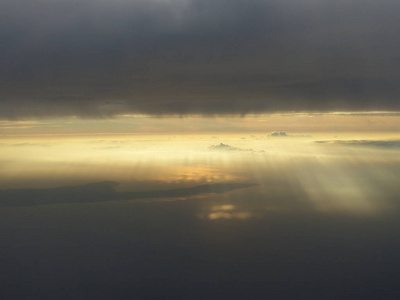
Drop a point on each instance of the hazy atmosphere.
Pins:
(173, 149)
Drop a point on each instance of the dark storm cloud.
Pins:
(100, 58)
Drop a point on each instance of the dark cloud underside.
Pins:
(99, 58)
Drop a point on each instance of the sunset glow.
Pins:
(199, 149)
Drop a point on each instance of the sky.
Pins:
(98, 58)
(199, 149)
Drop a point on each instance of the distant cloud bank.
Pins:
(392, 144)
(103, 191)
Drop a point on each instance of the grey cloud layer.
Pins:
(104, 191)
(99, 58)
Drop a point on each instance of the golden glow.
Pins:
(230, 215)
(288, 169)
(227, 211)
(226, 207)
